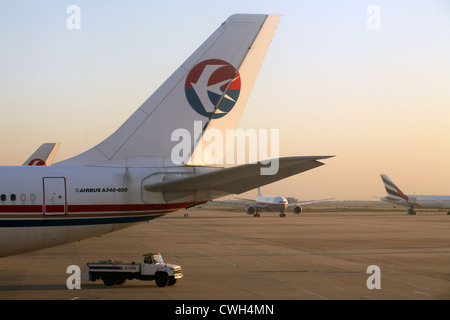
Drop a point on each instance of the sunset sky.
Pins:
(337, 80)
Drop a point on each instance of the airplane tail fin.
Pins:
(208, 91)
(43, 156)
(392, 190)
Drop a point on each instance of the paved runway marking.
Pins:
(340, 288)
(307, 291)
(403, 294)
(247, 290)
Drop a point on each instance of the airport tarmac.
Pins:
(234, 256)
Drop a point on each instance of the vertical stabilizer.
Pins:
(392, 190)
(233, 100)
(209, 90)
(43, 156)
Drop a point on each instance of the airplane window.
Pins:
(3, 197)
(32, 197)
(13, 197)
(23, 197)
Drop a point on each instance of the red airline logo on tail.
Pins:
(37, 162)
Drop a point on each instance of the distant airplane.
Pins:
(43, 156)
(132, 176)
(396, 196)
(270, 203)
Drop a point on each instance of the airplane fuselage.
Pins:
(42, 207)
(276, 203)
(423, 201)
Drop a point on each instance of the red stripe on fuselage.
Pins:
(99, 207)
(128, 207)
(21, 209)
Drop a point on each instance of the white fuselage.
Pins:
(424, 201)
(42, 207)
(430, 202)
(276, 203)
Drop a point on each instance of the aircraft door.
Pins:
(55, 196)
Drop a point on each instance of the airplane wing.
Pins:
(236, 179)
(232, 203)
(302, 203)
(241, 204)
(245, 199)
(43, 156)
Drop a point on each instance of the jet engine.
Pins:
(251, 210)
(297, 209)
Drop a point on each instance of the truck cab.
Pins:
(151, 263)
(164, 273)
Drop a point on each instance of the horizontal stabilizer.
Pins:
(237, 179)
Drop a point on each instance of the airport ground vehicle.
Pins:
(113, 272)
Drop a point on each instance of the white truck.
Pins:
(114, 272)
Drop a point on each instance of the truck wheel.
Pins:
(120, 281)
(109, 280)
(161, 279)
(172, 282)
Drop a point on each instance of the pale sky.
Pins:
(378, 99)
